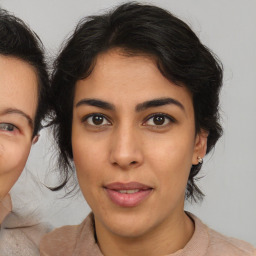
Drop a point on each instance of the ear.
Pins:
(200, 146)
(35, 139)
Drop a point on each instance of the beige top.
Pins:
(80, 241)
(5, 207)
(17, 238)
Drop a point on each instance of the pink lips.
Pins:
(127, 194)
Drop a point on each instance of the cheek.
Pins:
(1, 150)
(13, 157)
(171, 161)
(87, 159)
(89, 166)
(12, 161)
(171, 150)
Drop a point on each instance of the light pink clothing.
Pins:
(17, 238)
(80, 241)
(5, 207)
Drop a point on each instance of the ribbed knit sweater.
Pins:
(80, 241)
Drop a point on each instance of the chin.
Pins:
(129, 230)
(127, 224)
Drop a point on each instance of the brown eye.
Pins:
(159, 120)
(97, 120)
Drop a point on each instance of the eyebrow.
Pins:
(140, 107)
(96, 103)
(158, 103)
(19, 112)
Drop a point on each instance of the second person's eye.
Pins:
(7, 127)
(97, 120)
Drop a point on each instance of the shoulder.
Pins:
(19, 234)
(219, 243)
(211, 243)
(62, 241)
(71, 240)
(22, 240)
(5, 207)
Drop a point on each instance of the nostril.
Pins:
(133, 162)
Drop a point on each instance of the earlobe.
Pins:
(35, 139)
(200, 147)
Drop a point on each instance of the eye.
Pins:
(159, 120)
(7, 127)
(97, 120)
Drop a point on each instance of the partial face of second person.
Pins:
(18, 103)
(134, 141)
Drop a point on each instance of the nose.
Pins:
(126, 148)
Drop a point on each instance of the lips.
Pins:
(127, 194)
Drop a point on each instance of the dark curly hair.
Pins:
(138, 29)
(19, 41)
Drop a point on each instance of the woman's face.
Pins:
(18, 103)
(133, 140)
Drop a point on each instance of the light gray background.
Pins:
(229, 29)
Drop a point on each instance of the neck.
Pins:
(166, 238)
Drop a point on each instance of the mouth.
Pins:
(128, 194)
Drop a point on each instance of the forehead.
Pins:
(18, 85)
(119, 78)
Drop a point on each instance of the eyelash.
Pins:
(106, 121)
(5, 127)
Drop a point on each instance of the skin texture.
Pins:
(18, 102)
(128, 146)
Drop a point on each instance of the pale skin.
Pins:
(120, 134)
(18, 103)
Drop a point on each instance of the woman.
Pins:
(23, 104)
(136, 100)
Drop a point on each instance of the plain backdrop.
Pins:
(229, 173)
